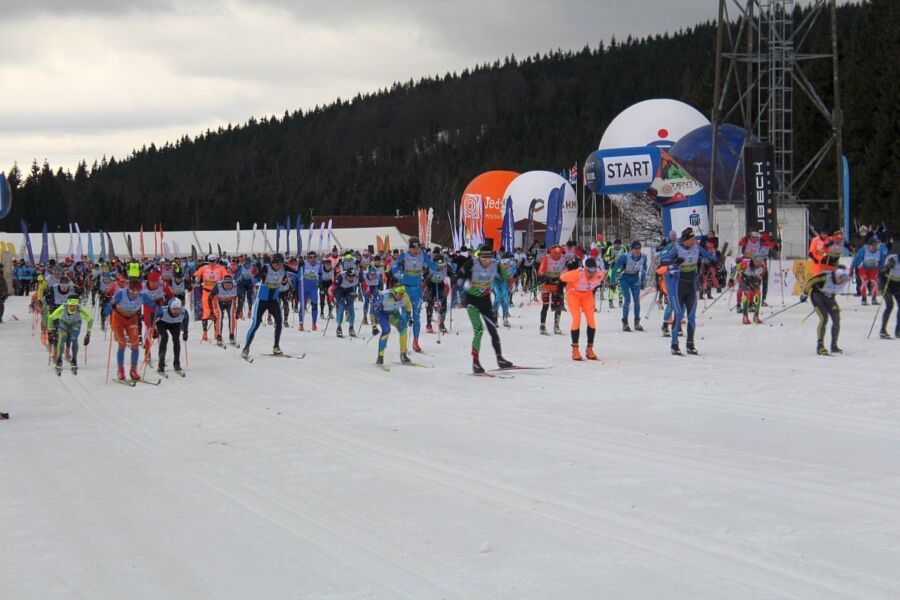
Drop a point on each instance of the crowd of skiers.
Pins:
(140, 301)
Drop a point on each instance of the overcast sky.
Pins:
(87, 78)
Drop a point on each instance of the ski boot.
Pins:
(134, 374)
(884, 335)
(352, 332)
(738, 307)
(665, 330)
(374, 330)
(835, 349)
(240, 315)
(506, 322)
(611, 305)
(161, 369)
(300, 327)
(429, 329)
(231, 340)
(576, 353)
(379, 361)
(340, 332)
(503, 363)
(625, 326)
(756, 318)
(277, 351)
(58, 366)
(874, 301)
(177, 368)
(441, 328)
(589, 353)
(764, 303)
(476, 364)
(676, 351)
(691, 349)
(219, 341)
(74, 367)
(746, 319)
(404, 359)
(245, 353)
(314, 328)
(637, 325)
(121, 373)
(820, 350)
(416, 346)
(865, 301)
(205, 337)
(556, 329)
(544, 329)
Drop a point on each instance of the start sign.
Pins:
(621, 170)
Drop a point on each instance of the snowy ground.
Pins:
(757, 470)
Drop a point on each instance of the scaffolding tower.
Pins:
(759, 64)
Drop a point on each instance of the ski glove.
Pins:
(803, 297)
(87, 338)
(184, 336)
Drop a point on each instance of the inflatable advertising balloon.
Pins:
(482, 204)
(660, 122)
(538, 185)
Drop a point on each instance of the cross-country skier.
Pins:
(749, 275)
(684, 260)
(374, 286)
(611, 257)
(223, 301)
(890, 285)
(630, 271)
(476, 278)
(244, 275)
(867, 262)
(581, 284)
(208, 275)
(502, 289)
(552, 266)
(171, 320)
(392, 308)
(125, 307)
(64, 325)
(822, 289)
(269, 278)
(343, 293)
(308, 288)
(408, 270)
(436, 294)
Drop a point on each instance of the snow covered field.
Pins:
(756, 470)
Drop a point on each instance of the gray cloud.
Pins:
(103, 76)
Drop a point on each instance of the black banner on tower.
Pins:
(759, 186)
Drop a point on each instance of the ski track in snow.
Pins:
(756, 470)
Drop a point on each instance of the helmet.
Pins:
(73, 302)
(228, 279)
(278, 257)
(211, 258)
(351, 272)
(399, 290)
(590, 264)
(635, 244)
(153, 277)
(64, 281)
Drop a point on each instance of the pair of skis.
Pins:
(134, 382)
(273, 355)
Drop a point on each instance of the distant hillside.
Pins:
(419, 142)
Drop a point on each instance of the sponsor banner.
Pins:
(622, 170)
(759, 186)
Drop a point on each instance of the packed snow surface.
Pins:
(756, 470)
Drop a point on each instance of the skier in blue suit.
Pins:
(408, 269)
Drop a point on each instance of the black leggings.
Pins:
(891, 296)
(260, 307)
(165, 330)
(826, 308)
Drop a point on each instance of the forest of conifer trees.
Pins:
(419, 142)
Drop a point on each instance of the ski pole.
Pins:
(108, 359)
(807, 316)
(187, 358)
(327, 321)
(775, 314)
(872, 328)
(717, 299)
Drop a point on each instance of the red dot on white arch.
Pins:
(663, 133)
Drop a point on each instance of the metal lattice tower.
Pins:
(761, 54)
